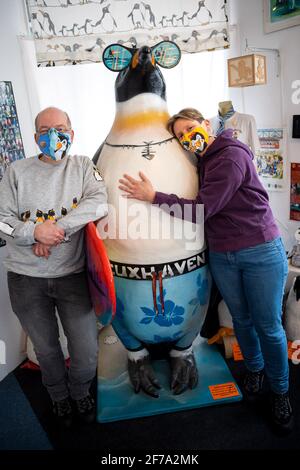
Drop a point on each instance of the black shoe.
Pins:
(62, 410)
(253, 385)
(282, 413)
(86, 410)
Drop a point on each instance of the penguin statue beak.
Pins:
(145, 57)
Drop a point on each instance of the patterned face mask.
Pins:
(195, 141)
(54, 144)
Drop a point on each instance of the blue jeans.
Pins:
(34, 301)
(252, 282)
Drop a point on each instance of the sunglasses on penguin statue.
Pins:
(117, 57)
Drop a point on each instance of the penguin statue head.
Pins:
(137, 67)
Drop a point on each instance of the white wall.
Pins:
(271, 104)
(12, 23)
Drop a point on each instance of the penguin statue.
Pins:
(218, 325)
(292, 312)
(225, 334)
(159, 262)
(295, 252)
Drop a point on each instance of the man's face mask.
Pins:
(195, 141)
(55, 144)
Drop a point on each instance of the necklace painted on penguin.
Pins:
(147, 151)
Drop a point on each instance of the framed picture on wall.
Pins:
(271, 159)
(11, 144)
(281, 14)
(295, 192)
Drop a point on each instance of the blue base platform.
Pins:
(117, 400)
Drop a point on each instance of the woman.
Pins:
(247, 258)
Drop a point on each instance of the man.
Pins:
(45, 202)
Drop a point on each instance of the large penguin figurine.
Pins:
(292, 312)
(158, 261)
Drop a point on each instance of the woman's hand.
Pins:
(142, 190)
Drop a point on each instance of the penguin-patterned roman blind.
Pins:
(77, 31)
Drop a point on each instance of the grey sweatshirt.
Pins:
(71, 192)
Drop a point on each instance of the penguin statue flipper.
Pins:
(97, 154)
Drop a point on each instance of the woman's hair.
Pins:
(186, 113)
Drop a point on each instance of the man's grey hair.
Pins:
(46, 109)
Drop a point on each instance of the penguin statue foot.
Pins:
(142, 376)
(184, 373)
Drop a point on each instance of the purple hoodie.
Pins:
(236, 205)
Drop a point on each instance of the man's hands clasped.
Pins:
(47, 234)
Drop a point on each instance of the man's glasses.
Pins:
(60, 130)
(117, 57)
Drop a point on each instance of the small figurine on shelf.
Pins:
(295, 253)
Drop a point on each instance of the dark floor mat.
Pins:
(19, 426)
(231, 426)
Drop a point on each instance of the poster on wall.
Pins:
(271, 158)
(295, 192)
(11, 144)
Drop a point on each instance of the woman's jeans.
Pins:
(252, 282)
(35, 300)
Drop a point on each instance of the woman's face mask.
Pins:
(55, 144)
(195, 141)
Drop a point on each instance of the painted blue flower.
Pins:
(172, 315)
(202, 294)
